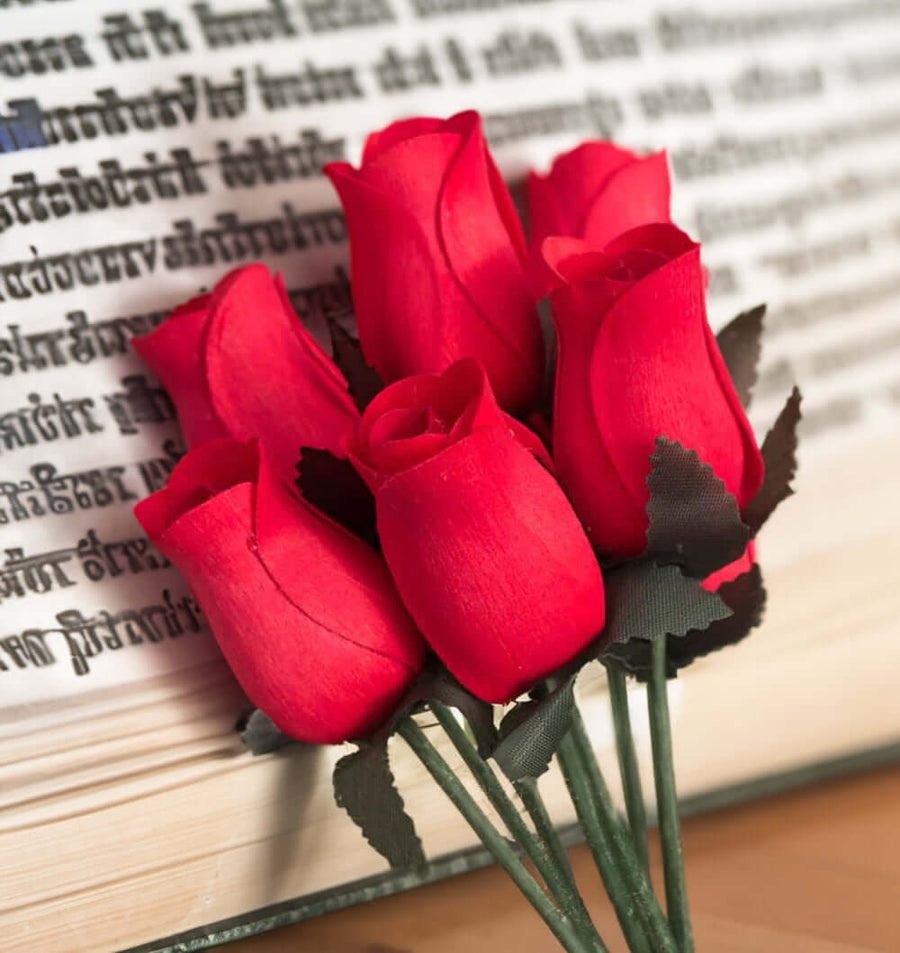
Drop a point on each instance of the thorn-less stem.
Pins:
(630, 917)
(530, 794)
(493, 840)
(562, 887)
(667, 800)
(628, 764)
(636, 878)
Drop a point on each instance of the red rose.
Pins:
(483, 545)
(305, 614)
(438, 257)
(595, 192)
(637, 360)
(239, 363)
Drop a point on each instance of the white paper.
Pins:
(783, 129)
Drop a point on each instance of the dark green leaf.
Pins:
(745, 596)
(779, 452)
(334, 487)
(646, 601)
(363, 381)
(363, 783)
(260, 734)
(740, 342)
(443, 687)
(531, 732)
(364, 787)
(693, 520)
(635, 658)
(548, 389)
(434, 682)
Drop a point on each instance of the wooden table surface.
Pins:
(815, 871)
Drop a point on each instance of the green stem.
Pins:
(562, 888)
(630, 916)
(530, 795)
(635, 876)
(492, 839)
(528, 791)
(628, 764)
(667, 800)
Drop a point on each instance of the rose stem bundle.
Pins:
(549, 863)
(558, 923)
(544, 850)
(667, 800)
(530, 796)
(603, 827)
(631, 919)
(628, 766)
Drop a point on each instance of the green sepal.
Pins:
(693, 521)
(260, 734)
(740, 343)
(779, 453)
(531, 732)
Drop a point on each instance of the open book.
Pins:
(145, 151)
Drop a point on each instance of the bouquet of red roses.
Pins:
(417, 525)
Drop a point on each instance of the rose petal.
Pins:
(416, 418)
(636, 194)
(546, 219)
(379, 142)
(437, 422)
(200, 475)
(268, 378)
(415, 250)
(416, 392)
(489, 266)
(578, 179)
(655, 370)
(492, 563)
(484, 411)
(305, 614)
(311, 350)
(174, 352)
(603, 275)
(595, 192)
(400, 423)
(337, 580)
(380, 227)
(397, 455)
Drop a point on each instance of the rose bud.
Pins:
(637, 359)
(595, 192)
(439, 258)
(305, 614)
(482, 543)
(239, 363)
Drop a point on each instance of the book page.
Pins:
(145, 150)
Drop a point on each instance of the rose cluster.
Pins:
(490, 542)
